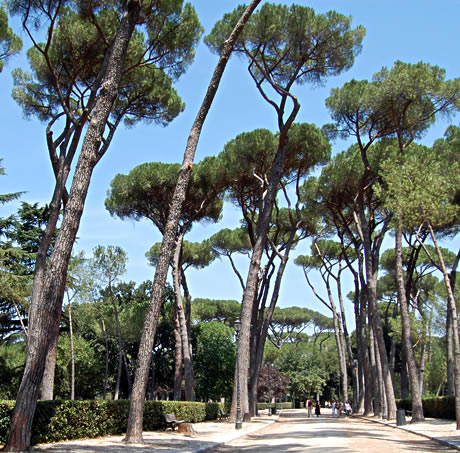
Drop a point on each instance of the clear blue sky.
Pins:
(407, 30)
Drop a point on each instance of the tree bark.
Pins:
(453, 309)
(46, 312)
(450, 354)
(252, 281)
(186, 353)
(50, 368)
(404, 384)
(376, 384)
(177, 395)
(106, 368)
(371, 268)
(136, 410)
(266, 319)
(72, 355)
(122, 361)
(417, 407)
(449, 334)
(364, 363)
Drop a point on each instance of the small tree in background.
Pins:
(214, 361)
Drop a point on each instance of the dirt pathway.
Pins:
(295, 432)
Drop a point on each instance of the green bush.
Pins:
(64, 420)
(6, 409)
(433, 407)
(283, 405)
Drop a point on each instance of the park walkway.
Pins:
(222, 436)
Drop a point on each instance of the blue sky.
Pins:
(407, 30)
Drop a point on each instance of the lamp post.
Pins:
(238, 423)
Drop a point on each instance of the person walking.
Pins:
(333, 408)
(309, 407)
(338, 408)
(317, 409)
(347, 408)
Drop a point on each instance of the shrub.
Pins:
(433, 407)
(6, 409)
(65, 420)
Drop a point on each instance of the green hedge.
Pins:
(435, 407)
(64, 420)
(284, 405)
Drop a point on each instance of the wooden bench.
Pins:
(171, 421)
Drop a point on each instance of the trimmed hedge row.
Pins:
(65, 420)
(435, 407)
(284, 405)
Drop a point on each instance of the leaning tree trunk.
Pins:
(449, 333)
(46, 313)
(72, 355)
(452, 305)
(48, 374)
(417, 407)
(136, 409)
(450, 354)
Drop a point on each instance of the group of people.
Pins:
(311, 404)
(338, 407)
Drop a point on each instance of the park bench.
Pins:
(171, 421)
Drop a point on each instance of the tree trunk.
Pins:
(50, 368)
(450, 354)
(450, 333)
(106, 368)
(364, 366)
(177, 395)
(120, 354)
(136, 409)
(72, 355)
(404, 385)
(186, 353)
(417, 407)
(453, 309)
(346, 342)
(422, 368)
(46, 313)
(381, 385)
(371, 268)
(122, 361)
(393, 344)
(266, 320)
(376, 385)
(252, 279)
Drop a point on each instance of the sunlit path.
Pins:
(295, 432)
